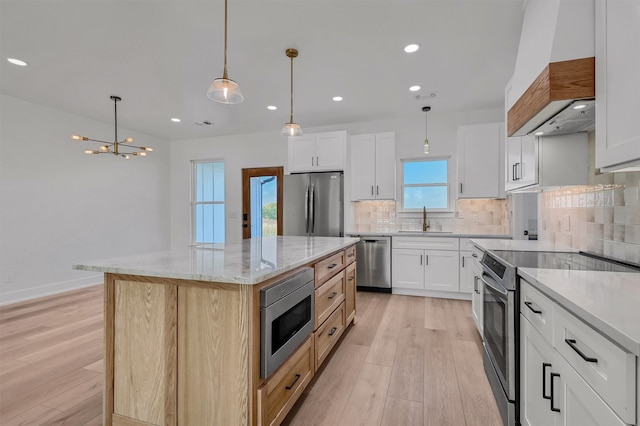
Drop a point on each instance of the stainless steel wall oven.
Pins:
(286, 319)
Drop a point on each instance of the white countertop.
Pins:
(519, 245)
(424, 234)
(608, 301)
(248, 262)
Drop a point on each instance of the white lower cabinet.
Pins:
(552, 389)
(425, 266)
(477, 296)
(466, 272)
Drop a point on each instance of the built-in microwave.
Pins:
(286, 318)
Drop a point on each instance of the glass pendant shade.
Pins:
(225, 91)
(426, 146)
(291, 129)
(426, 109)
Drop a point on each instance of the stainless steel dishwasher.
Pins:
(373, 254)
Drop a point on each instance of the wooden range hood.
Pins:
(556, 86)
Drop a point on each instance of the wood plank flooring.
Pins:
(407, 361)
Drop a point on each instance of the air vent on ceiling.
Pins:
(425, 96)
(204, 123)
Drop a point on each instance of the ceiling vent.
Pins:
(204, 123)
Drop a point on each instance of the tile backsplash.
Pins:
(603, 218)
(478, 216)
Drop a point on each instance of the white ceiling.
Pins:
(161, 56)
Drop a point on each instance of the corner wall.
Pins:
(59, 206)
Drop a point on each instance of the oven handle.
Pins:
(495, 286)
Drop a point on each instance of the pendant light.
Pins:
(121, 149)
(426, 139)
(224, 90)
(291, 128)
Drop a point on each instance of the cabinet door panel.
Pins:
(466, 272)
(479, 160)
(330, 151)
(302, 153)
(514, 156)
(408, 269)
(385, 166)
(363, 174)
(441, 270)
(528, 169)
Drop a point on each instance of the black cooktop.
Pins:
(555, 260)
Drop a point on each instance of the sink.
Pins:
(425, 232)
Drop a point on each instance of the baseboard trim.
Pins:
(22, 295)
(431, 293)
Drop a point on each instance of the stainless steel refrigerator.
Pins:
(313, 204)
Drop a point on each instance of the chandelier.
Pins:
(123, 148)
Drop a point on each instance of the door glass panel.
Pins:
(264, 206)
(495, 331)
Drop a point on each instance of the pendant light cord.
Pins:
(224, 74)
(115, 113)
(291, 117)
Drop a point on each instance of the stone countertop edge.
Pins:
(583, 294)
(427, 234)
(233, 271)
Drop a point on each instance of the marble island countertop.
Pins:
(247, 262)
(608, 301)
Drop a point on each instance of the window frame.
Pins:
(193, 203)
(446, 184)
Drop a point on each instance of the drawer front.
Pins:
(465, 244)
(538, 309)
(350, 255)
(327, 298)
(328, 334)
(350, 292)
(609, 370)
(327, 267)
(426, 243)
(281, 391)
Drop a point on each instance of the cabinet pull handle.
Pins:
(294, 383)
(311, 161)
(426, 259)
(333, 265)
(333, 331)
(461, 188)
(371, 189)
(317, 161)
(420, 259)
(572, 343)
(553, 375)
(535, 311)
(377, 190)
(334, 294)
(513, 172)
(544, 379)
(474, 255)
(475, 284)
(463, 261)
(351, 254)
(350, 279)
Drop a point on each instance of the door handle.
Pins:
(294, 383)
(377, 190)
(334, 294)
(333, 331)
(553, 376)
(371, 189)
(535, 311)
(312, 207)
(461, 188)
(463, 261)
(306, 208)
(572, 343)
(426, 259)
(420, 259)
(544, 379)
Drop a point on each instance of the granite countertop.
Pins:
(520, 245)
(424, 234)
(608, 301)
(250, 261)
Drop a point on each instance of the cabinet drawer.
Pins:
(280, 392)
(327, 298)
(327, 267)
(350, 255)
(538, 309)
(609, 370)
(465, 244)
(426, 243)
(328, 334)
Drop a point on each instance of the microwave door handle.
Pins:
(497, 288)
(306, 209)
(313, 209)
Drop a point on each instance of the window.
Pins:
(207, 205)
(425, 183)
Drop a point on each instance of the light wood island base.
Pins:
(186, 352)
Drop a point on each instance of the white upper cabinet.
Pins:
(373, 166)
(480, 172)
(522, 162)
(617, 86)
(317, 152)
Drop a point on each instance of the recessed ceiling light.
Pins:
(538, 133)
(272, 107)
(579, 106)
(410, 48)
(337, 98)
(176, 120)
(414, 88)
(18, 62)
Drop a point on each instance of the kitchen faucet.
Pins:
(425, 222)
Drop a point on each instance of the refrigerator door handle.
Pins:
(306, 209)
(312, 206)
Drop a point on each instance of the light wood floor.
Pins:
(407, 361)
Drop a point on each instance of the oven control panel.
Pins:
(494, 264)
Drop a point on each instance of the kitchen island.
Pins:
(182, 329)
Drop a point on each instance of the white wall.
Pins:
(59, 206)
(270, 149)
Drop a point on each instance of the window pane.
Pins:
(434, 171)
(432, 197)
(209, 223)
(210, 181)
